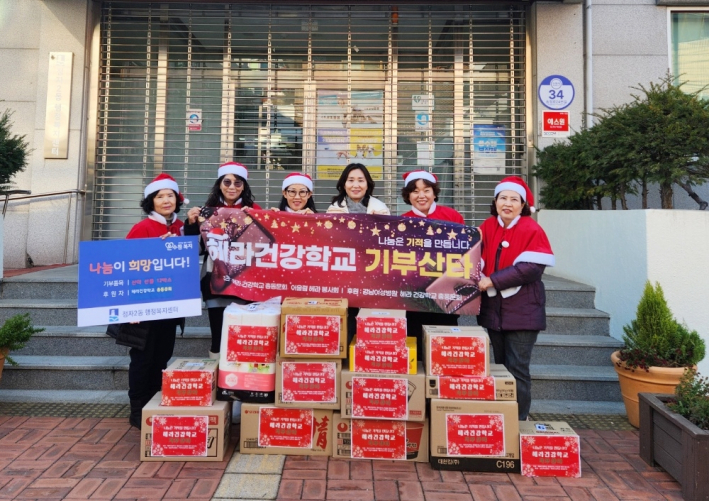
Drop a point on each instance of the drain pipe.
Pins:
(588, 63)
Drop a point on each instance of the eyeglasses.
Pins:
(293, 193)
(237, 184)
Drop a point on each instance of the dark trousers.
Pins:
(216, 319)
(146, 366)
(513, 349)
(415, 320)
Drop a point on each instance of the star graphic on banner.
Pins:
(266, 217)
(375, 231)
(224, 225)
(451, 235)
(319, 223)
(295, 228)
(422, 223)
(342, 219)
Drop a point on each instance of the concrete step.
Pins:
(565, 349)
(62, 312)
(575, 382)
(577, 321)
(562, 293)
(66, 373)
(78, 341)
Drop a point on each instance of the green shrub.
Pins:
(692, 399)
(15, 333)
(656, 339)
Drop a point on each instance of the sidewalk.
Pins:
(80, 457)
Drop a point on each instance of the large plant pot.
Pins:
(632, 382)
(676, 444)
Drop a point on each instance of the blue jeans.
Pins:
(513, 349)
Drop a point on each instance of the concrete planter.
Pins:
(674, 443)
(633, 382)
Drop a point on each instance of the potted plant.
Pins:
(14, 334)
(674, 433)
(658, 350)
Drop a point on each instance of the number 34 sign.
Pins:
(556, 92)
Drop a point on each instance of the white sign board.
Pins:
(424, 153)
(556, 92)
(423, 122)
(422, 102)
(194, 120)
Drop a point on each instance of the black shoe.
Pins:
(136, 413)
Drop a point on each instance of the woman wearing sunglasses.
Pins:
(230, 190)
(297, 194)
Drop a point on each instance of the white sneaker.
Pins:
(214, 356)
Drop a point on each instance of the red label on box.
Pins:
(179, 436)
(252, 344)
(466, 388)
(188, 388)
(458, 356)
(550, 456)
(309, 382)
(380, 398)
(279, 427)
(475, 434)
(381, 357)
(372, 439)
(381, 329)
(312, 335)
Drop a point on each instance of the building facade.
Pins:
(111, 93)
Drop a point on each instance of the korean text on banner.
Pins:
(137, 280)
(374, 261)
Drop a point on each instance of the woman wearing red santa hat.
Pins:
(231, 190)
(421, 191)
(515, 253)
(162, 202)
(297, 194)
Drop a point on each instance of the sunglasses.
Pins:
(237, 183)
(293, 193)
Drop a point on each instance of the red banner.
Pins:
(179, 436)
(389, 262)
(373, 439)
(475, 434)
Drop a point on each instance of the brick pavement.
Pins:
(52, 458)
(611, 468)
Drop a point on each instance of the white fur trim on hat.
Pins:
(509, 185)
(162, 184)
(419, 174)
(233, 168)
(292, 179)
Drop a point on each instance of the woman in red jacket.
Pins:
(231, 190)
(162, 202)
(421, 192)
(515, 253)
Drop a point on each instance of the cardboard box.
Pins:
(504, 386)
(456, 351)
(247, 363)
(254, 439)
(549, 449)
(416, 439)
(313, 328)
(313, 383)
(190, 381)
(470, 435)
(381, 326)
(219, 416)
(380, 358)
(416, 400)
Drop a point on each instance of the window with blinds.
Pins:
(308, 88)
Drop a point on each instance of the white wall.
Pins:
(31, 29)
(617, 251)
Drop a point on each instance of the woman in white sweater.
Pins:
(354, 189)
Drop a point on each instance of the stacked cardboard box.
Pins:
(313, 337)
(383, 412)
(184, 422)
(474, 424)
(247, 359)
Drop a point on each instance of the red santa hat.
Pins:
(164, 182)
(412, 176)
(233, 168)
(517, 185)
(217, 234)
(297, 178)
